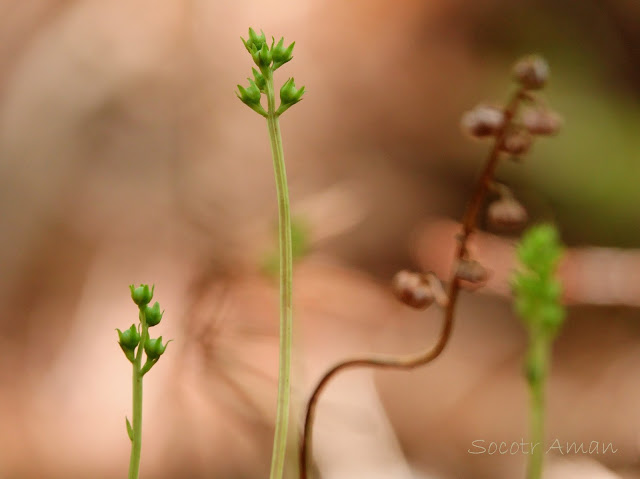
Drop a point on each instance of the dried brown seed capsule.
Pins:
(517, 142)
(541, 122)
(507, 213)
(531, 72)
(483, 121)
(412, 289)
(472, 271)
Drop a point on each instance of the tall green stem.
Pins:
(136, 441)
(539, 354)
(286, 272)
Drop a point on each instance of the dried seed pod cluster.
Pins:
(531, 73)
(513, 130)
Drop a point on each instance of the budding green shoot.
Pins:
(538, 303)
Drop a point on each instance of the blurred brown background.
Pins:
(126, 157)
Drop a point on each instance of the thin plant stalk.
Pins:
(536, 387)
(136, 440)
(286, 273)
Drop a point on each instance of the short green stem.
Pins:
(538, 361)
(286, 271)
(136, 442)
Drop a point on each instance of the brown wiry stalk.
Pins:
(421, 358)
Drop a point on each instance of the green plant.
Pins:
(512, 134)
(537, 302)
(133, 341)
(269, 59)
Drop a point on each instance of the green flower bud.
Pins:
(261, 83)
(255, 42)
(280, 54)
(129, 338)
(251, 97)
(128, 341)
(154, 347)
(152, 314)
(262, 57)
(289, 95)
(141, 295)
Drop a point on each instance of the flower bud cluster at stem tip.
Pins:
(268, 59)
(149, 316)
(134, 342)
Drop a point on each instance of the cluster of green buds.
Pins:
(149, 316)
(537, 291)
(268, 59)
(538, 295)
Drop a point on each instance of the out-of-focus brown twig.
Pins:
(421, 358)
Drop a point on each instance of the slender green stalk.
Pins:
(136, 441)
(269, 59)
(286, 272)
(539, 358)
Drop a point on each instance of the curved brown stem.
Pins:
(421, 358)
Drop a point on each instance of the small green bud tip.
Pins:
(141, 295)
(129, 338)
(154, 347)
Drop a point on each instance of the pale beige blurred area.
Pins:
(125, 157)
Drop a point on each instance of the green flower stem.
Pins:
(286, 272)
(136, 442)
(538, 365)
